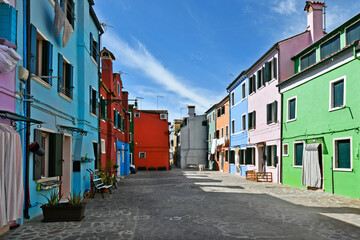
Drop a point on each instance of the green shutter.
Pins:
(33, 45)
(330, 47)
(338, 94)
(274, 66)
(254, 119)
(60, 72)
(299, 153)
(343, 153)
(258, 75)
(353, 33)
(37, 158)
(268, 113)
(263, 76)
(267, 72)
(248, 156)
(274, 155)
(268, 155)
(275, 111)
(115, 118)
(55, 154)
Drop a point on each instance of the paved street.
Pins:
(204, 205)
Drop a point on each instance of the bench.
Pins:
(99, 186)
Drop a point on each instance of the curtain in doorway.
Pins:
(11, 175)
(311, 175)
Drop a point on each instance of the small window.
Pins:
(223, 110)
(68, 7)
(353, 33)
(271, 112)
(65, 71)
(93, 101)
(233, 126)
(232, 98)
(291, 109)
(103, 146)
(142, 154)
(271, 156)
(252, 120)
(137, 115)
(222, 132)
(273, 68)
(337, 94)
(232, 157)
(242, 154)
(227, 131)
(118, 89)
(298, 154)
(217, 134)
(260, 78)
(226, 155)
(103, 107)
(343, 154)
(308, 59)
(204, 123)
(250, 156)
(243, 122)
(252, 84)
(219, 112)
(329, 47)
(243, 91)
(94, 48)
(285, 151)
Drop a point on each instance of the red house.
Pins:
(114, 123)
(151, 139)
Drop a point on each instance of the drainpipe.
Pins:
(99, 114)
(26, 5)
(281, 121)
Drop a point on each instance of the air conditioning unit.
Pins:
(137, 115)
(163, 116)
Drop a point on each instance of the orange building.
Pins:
(222, 134)
(151, 139)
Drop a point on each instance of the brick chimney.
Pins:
(315, 19)
(107, 68)
(191, 111)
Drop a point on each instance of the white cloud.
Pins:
(285, 7)
(141, 59)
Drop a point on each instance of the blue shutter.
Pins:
(8, 22)
(60, 72)
(343, 153)
(90, 98)
(71, 75)
(91, 44)
(33, 43)
(338, 94)
(50, 62)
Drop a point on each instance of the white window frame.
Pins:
(283, 149)
(140, 153)
(136, 115)
(288, 109)
(243, 97)
(103, 146)
(331, 92)
(345, 30)
(351, 154)
(272, 166)
(242, 124)
(233, 98)
(233, 126)
(294, 155)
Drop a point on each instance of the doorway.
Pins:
(222, 161)
(67, 167)
(260, 163)
(118, 163)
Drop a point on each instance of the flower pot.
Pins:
(63, 212)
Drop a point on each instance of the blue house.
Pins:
(62, 57)
(239, 122)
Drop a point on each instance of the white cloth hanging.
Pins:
(59, 18)
(11, 175)
(213, 146)
(311, 175)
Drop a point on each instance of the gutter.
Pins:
(99, 94)
(281, 120)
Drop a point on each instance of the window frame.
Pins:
(253, 114)
(294, 155)
(243, 91)
(283, 149)
(142, 153)
(232, 98)
(242, 152)
(288, 109)
(274, 117)
(67, 72)
(331, 94)
(103, 146)
(118, 89)
(337, 34)
(273, 161)
(243, 123)
(335, 154)
(93, 89)
(233, 126)
(136, 115)
(253, 156)
(345, 31)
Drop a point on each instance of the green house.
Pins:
(321, 114)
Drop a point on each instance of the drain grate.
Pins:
(144, 217)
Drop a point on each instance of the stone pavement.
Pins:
(204, 205)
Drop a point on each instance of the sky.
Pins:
(174, 53)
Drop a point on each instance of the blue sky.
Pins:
(179, 52)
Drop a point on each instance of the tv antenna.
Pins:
(105, 26)
(324, 12)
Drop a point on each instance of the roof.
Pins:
(236, 79)
(312, 2)
(211, 108)
(152, 111)
(177, 121)
(223, 100)
(111, 54)
(326, 37)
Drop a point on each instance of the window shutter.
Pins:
(50, 62)
(268, 155)
(267, 72)
(254, 84)
(339, 94)
(60, 72)
(72, 13)
(102, 106)
(274, 65)
(45, 62)
(248, 156)
(90, 99)
(33, 43)
(55, 154)
(258, 75)
(254, 119)
(91, 45)
(62, 5)
(343, 153)
(115, 118)
(8, 22)
(96, 103)
(275, 111)
(274, 155)
(37, 158)
(71, 81)
(263, 76)
(268, 113)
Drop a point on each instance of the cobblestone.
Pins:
(204, 205)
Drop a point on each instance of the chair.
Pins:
(100, 187)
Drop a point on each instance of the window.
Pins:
(271, 157)
(337, 93)
(243, 122)
(222, 132)
(250, 156)
(103, 107)
(298, 154)
(291, 109)
(223, 110)
(343, 154)
(131, 137)
(243, 91)
(226, 155)
(41, 52)
(118, 89)
(271, 110)
(103, 146)
(137, 115)
(93, 101)
(260, 78)
(232, 98)
(252, 84)
(50, 164)
(217, 134)
(330, 47)
(227, 131)
(120, 122)
(68, 7)
(142, 154)
(233, 126)
(285, 151)
(204, 123)
(65, 81)
(270, 70)
(353, 33)
(242, 154)
(308, 59)
(219, 112)
(252, 120)
(94, 49)
(232, 157)
(130, 116)
(214, 115)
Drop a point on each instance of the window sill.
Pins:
(272, 123)
(41, 82)
(343, 169)
(93, 115)
(297, 166)
(270, 167)
(65, 97)
(46, 179)
(291, 120)
(337, 108)
(285, 155)
(260, 88)
(94, 61)
(272, 80)
(252, 93)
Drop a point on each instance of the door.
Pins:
(222, 161)
(118, 163)
(67, 167)
(260, 159)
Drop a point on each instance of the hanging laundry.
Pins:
(311, 175)
(8, 58)
(59, 19)
(67, 32)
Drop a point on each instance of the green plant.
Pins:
(53, 199)
(115, 166)
(76, 199)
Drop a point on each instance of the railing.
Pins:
(67, 92)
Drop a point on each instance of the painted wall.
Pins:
(123, 158)
(211, 128)
(221, 123)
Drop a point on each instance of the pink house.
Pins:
(264, 100)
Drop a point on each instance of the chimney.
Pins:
(107, 68)
(315, 19)
(191, 111)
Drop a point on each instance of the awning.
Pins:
(13, 117)
(72, 129)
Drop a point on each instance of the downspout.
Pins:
(26, 22)
(99, 114)
(281, 121)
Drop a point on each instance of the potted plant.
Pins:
(54, 211)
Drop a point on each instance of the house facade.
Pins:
(151, 139)
(174, 141)
(193, 144)
(321, 131)
(211, 135)
(238, 115)
(114, 114)
(222, 135)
